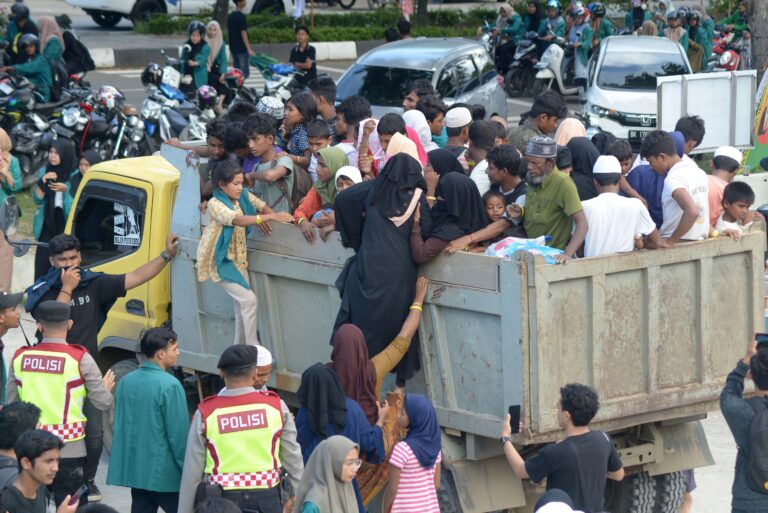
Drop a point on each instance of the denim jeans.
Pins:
(240, 61)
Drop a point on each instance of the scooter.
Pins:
(519, 78)
(555, 71)
(280, 80)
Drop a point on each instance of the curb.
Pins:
(140, 57)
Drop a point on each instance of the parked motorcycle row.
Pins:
(529, 74)
(101, 119)
(171, 110)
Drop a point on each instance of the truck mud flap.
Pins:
(482, 486)
(679, 447)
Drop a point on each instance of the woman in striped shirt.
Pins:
(414, 474)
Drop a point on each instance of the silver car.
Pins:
(460, 70)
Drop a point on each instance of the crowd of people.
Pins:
(400, 191)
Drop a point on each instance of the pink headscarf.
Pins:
(48, 28)
(413, 136)
(568, 129)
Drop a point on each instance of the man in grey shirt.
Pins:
(32, 371)
(15, 419)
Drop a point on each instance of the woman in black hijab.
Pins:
(458, 211)
(377, 284)
(49, 194)
(444, 162)
(87, 159)
(583, 158)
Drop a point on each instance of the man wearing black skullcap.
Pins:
(56, 377)
(238, 441)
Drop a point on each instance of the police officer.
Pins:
(56, 377)
(238, 441)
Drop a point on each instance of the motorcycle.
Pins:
(726, 54)
(518, 79)
(128, 138)
(282, 81)
(555, 70)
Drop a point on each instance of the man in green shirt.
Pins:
(151, 422)
(36, 68)
(552, 205)
(737, 22)
(19, 23)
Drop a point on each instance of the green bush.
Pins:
(352, 26)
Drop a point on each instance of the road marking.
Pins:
(521, 103)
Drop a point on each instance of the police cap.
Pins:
(52, 311)
(238, 357)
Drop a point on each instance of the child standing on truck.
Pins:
(222, 253)
(736, 218)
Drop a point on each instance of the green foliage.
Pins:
(353, 26)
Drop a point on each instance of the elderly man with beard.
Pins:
(552, 206)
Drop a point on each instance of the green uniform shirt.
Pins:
(39, 72)
(151, 425)
(549, 207)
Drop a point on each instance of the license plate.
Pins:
(63, 131)
(638, 135)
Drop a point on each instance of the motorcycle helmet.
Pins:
(553, 4)
(29, 39)
(235, 76)
(109, 97)
(597, 9)
(19, 12)
(694, 15)
(206, 97)
(673, 15)
(152, 74)
(578, 10)
(683, 12)
(196, 26)
(22, 100)
(271, 106)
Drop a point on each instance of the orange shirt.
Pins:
(716, 188)
(308, 206)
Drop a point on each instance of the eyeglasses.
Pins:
(355, 464)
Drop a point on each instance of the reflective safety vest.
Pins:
(48, 376)
(243, 440)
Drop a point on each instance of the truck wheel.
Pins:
(634, 494)
(106, 19)
(447, 495)
(144, 9)
(670, 492)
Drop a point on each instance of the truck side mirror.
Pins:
(9, 216)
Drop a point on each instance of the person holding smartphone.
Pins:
(579, 464)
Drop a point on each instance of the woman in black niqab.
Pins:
(583, 157)
(377, 283)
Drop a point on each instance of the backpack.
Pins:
(302, 183)
(76, 54)
(60, 77)
(757, 455)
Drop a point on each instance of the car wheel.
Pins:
(145, 9)
(106, 19)
(346, 4)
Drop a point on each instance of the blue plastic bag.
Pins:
(505, 248)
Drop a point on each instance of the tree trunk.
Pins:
(220, 12)
(421, 13)
(758, 25)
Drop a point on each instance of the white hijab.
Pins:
(416, 120)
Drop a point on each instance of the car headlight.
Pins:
(70, 116)
(598, 110)
(150, 109)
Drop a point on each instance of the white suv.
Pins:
(108, 13)
(621, 84)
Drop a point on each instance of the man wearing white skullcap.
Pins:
(263, 368)
(615, 222)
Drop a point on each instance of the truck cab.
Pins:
(640, 328)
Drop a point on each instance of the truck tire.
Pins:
(670, 492)
(634, 494)
(447, 494)
(106, 19)
(144, 9)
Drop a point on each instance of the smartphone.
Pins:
(78, 495)
(514, 418)
(762, 340)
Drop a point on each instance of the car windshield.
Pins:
(379, 85)
(635, 70)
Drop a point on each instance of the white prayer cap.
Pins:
(606, 164)
(264, 358)
(730, 152)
